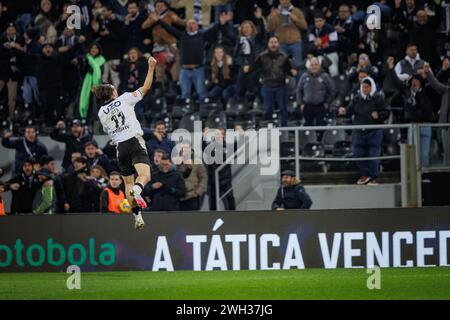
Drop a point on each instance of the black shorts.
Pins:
(129, 153)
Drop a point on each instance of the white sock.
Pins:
(137, 189)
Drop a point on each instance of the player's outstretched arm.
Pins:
(149, 79)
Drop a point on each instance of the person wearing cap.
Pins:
(23, 187)
(44, 201)
(417, 98)
(28, 146)
(74, 140)
(291, 194)
(367, 108)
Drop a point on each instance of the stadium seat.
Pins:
(287, 149)
(342, 149)
(182, 107)
(313, 150)
(217, 120)
(236, 107)
(342, 85)
(208, 106)
(391, 136)
(305, 137)
(187, 121)
(330, 137)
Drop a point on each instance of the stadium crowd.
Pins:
(319, 54)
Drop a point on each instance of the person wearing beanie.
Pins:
(291, 194)
(367, 108)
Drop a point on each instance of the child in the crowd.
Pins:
(112, 199)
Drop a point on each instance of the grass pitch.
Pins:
(408, 283)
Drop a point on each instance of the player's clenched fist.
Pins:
(152, 62)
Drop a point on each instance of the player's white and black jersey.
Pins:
(118, 117)
(119, 121)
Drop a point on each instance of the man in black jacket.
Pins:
(166, 188)
(291, 194)
(28, 146)
(192, 44)
(274, 66)
(24, 187)
(367, 108)
(74, 140)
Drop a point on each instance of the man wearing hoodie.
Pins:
(315, 92)
(166, 188)
(291, 194)
(23, 187)
(367, 108)
(28, 146)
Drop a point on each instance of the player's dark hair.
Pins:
(104, 92)
(411, 44)
(160, 123)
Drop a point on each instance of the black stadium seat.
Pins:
(187, 121)
(307, 136)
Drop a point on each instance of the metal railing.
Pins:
(412, 138)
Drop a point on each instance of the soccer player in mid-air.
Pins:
(119, 121)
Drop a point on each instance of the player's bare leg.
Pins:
(143, 171)
(129, 183)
